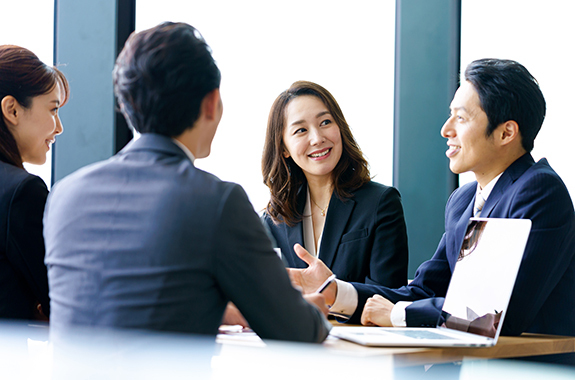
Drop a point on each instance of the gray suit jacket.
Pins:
(146, 240)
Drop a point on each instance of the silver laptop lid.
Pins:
(484, 275)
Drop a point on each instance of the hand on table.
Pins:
(377, 312)
(233, 316)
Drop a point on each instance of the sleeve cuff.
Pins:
(345, 300)
(397, 315)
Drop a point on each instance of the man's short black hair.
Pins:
(161, 77)
(507, 91)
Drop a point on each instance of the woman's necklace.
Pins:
(323, 210)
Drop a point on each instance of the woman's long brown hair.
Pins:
(284, 178)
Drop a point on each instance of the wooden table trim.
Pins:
(506, 347)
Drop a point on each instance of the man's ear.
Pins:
(210, 104)
(10, 109)
(508, 132)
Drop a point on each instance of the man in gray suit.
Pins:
(145, 239)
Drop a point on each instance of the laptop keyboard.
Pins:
(423, 334)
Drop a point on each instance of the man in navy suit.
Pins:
(495, 116)
(145, 239)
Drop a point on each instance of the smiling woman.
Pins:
(273, 44)
(312, 138)
(30, 95)
(35, 127)
(32, 28)
(322, 196)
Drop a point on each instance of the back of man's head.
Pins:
(507, 91)
(161, 77)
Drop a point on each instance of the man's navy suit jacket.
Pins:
(543, 299)
(364, 238)
(146, 240)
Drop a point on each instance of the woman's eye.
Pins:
(300, 130)
(325, 122)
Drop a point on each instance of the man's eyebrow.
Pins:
(462, 108)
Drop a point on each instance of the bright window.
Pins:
(539, 35)
(262, 47)
(30, 24)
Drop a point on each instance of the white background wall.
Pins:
(541, 36)
(262, 47)
(30, 24)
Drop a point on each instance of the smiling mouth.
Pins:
(453, 150)
(320, 154)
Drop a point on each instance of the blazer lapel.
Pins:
(509, 176)
(295, 234)
(496, 194)
(336, 219)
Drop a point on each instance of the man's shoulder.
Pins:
(543, 171)
(540, 178)
(79, 176)
(119, 171)
(209, 184)
(535, 192)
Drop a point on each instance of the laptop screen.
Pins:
(484, 275)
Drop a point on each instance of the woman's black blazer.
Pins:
(364, 237)
(23, 275)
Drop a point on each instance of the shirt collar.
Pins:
(487, 189)
(185, 149)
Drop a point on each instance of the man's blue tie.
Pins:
(479, 203)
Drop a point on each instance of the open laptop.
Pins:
(478, 295)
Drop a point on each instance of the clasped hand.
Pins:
(377, 312)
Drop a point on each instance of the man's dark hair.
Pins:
(507, 91)
(161, 77)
